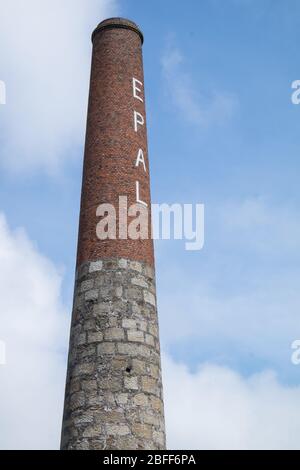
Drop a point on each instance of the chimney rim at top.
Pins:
(118, 22)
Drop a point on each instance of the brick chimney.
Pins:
(113, 397)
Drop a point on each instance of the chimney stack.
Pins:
(113, 397)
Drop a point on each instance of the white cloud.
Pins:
(34, 327)
(241, 301)
(45, 63)
(260, 226)
(197, 108)
(255, 325)
(215, 408)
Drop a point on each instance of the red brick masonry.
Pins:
(112, 144)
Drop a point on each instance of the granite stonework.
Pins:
(114, 388)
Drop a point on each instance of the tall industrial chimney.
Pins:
(113, 397)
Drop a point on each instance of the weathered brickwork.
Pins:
(112, 144)
(114, 389)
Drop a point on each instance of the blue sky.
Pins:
(222, 131)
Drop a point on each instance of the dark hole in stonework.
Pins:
(128, 370)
